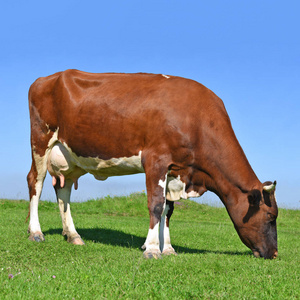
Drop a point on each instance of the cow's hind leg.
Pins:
(35, 179)
(164, 232)
(63, 198)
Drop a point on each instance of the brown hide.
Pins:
(181, 127)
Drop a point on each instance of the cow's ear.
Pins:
(254, 197)
(269, 186)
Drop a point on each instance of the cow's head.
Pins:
(257, 225)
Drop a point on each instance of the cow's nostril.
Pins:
(275, 254)
(256, 253)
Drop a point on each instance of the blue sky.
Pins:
(247, 52)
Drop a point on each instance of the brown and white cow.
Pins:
(174, 130)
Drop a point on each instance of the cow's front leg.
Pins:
(63, 198)
(164, 232)
(156, 191)
(151, 246)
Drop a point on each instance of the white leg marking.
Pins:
(41, 167)
(34, 224)
(164, 235)
(67, 221)
(63, 198)
(152, 241)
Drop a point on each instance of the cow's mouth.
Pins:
(257, 253)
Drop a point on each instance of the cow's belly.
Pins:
(66, 165)
(101, 169)
(63, 162)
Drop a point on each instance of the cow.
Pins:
(175, 130)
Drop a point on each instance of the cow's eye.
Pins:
(271, 217)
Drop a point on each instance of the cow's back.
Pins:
(112, 115)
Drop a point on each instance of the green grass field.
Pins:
(212, 262)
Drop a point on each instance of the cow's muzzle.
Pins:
(258, 253)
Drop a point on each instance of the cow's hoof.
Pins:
(36, 237)
(152, 254)
(76, 240)
(169, 251)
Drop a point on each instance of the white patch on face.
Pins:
(166, 76)
(269, 188)
(275, 198)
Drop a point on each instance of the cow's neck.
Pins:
(227, 171)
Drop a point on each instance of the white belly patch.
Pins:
(63, 162)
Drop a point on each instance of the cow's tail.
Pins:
(28, 215)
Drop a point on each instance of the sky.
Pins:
(247, 52)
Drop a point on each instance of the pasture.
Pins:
(212, 262)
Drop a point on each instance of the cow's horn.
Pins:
(270, 187)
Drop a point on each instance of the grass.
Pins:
(212, 262)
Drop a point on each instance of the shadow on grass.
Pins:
(120, 238)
